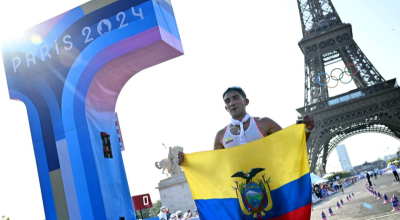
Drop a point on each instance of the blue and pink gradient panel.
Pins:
(69, 72)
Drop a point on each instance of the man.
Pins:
(394, 169)
(163, 213)
(179, 214)
(187, 214)
(245, 129)
(167, 213)
(335, 185)
(317, 191)
(341, 185)
(368, 178)
(173, 216)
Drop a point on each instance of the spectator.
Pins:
(188, 214)
(168, 214)
(196, 213)
(317, 191)
(163, 213)
(179, 214)
(335, 185)
(173, 216)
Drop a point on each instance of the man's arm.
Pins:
(218, 140)
(268, 126)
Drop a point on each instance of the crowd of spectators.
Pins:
(166, 215)
(323, 190)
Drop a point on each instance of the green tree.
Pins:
(156, 207)
(391, 160)
(5, 218)
(147, 212)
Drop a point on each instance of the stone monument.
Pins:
(174, 191)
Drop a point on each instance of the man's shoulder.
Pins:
(222, 131)
(264, 120)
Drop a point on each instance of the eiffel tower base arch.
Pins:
(373, 109)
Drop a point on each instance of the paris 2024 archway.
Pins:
(69, 71)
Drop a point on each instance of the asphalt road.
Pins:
(363, 205)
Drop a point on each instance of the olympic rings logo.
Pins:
(341, 75)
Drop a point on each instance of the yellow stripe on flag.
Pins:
(283, 155)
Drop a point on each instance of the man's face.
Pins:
(235, 103)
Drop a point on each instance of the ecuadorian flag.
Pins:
(265, 179)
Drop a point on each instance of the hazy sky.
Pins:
(252, 44)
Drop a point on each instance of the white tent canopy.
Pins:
(315, 179)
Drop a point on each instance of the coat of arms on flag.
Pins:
(254, 196)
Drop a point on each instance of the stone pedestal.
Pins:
(175, 194)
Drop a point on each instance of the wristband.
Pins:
(308, 131)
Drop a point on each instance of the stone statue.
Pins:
(171, 163)
(174, 168)
(163, 164)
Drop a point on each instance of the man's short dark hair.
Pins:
(237, 89)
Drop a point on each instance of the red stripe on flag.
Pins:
(300, 213)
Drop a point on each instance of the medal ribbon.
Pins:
(242, 139)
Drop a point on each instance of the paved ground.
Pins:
(363, 206)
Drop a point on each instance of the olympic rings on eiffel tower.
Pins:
(334, 78)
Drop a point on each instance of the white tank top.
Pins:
(252, 133)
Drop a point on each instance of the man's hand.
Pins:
(308, 120)
(180, 158)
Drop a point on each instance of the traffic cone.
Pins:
(395, 199)
(394, 205)
(338, 205)
(341, 202)
(374, 185)
(379, 196)
(323, 216)
(374, 193)
(330, 212)
(386, 200)
(352, 194)
(347, 198)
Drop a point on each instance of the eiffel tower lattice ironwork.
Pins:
(373, 107)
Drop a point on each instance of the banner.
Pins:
(265, 179)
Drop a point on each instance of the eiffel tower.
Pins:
(373, 107)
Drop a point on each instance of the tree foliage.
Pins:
(342, 174)
(391, 160)
(156, 207)
(147, 212)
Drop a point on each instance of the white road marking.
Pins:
(382, 186)
(384, 216)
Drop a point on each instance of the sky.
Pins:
(179, 102)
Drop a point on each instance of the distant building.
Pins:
(389, 157)
(379, 164)
(367, 166)
(344, 158)
(358, 169)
